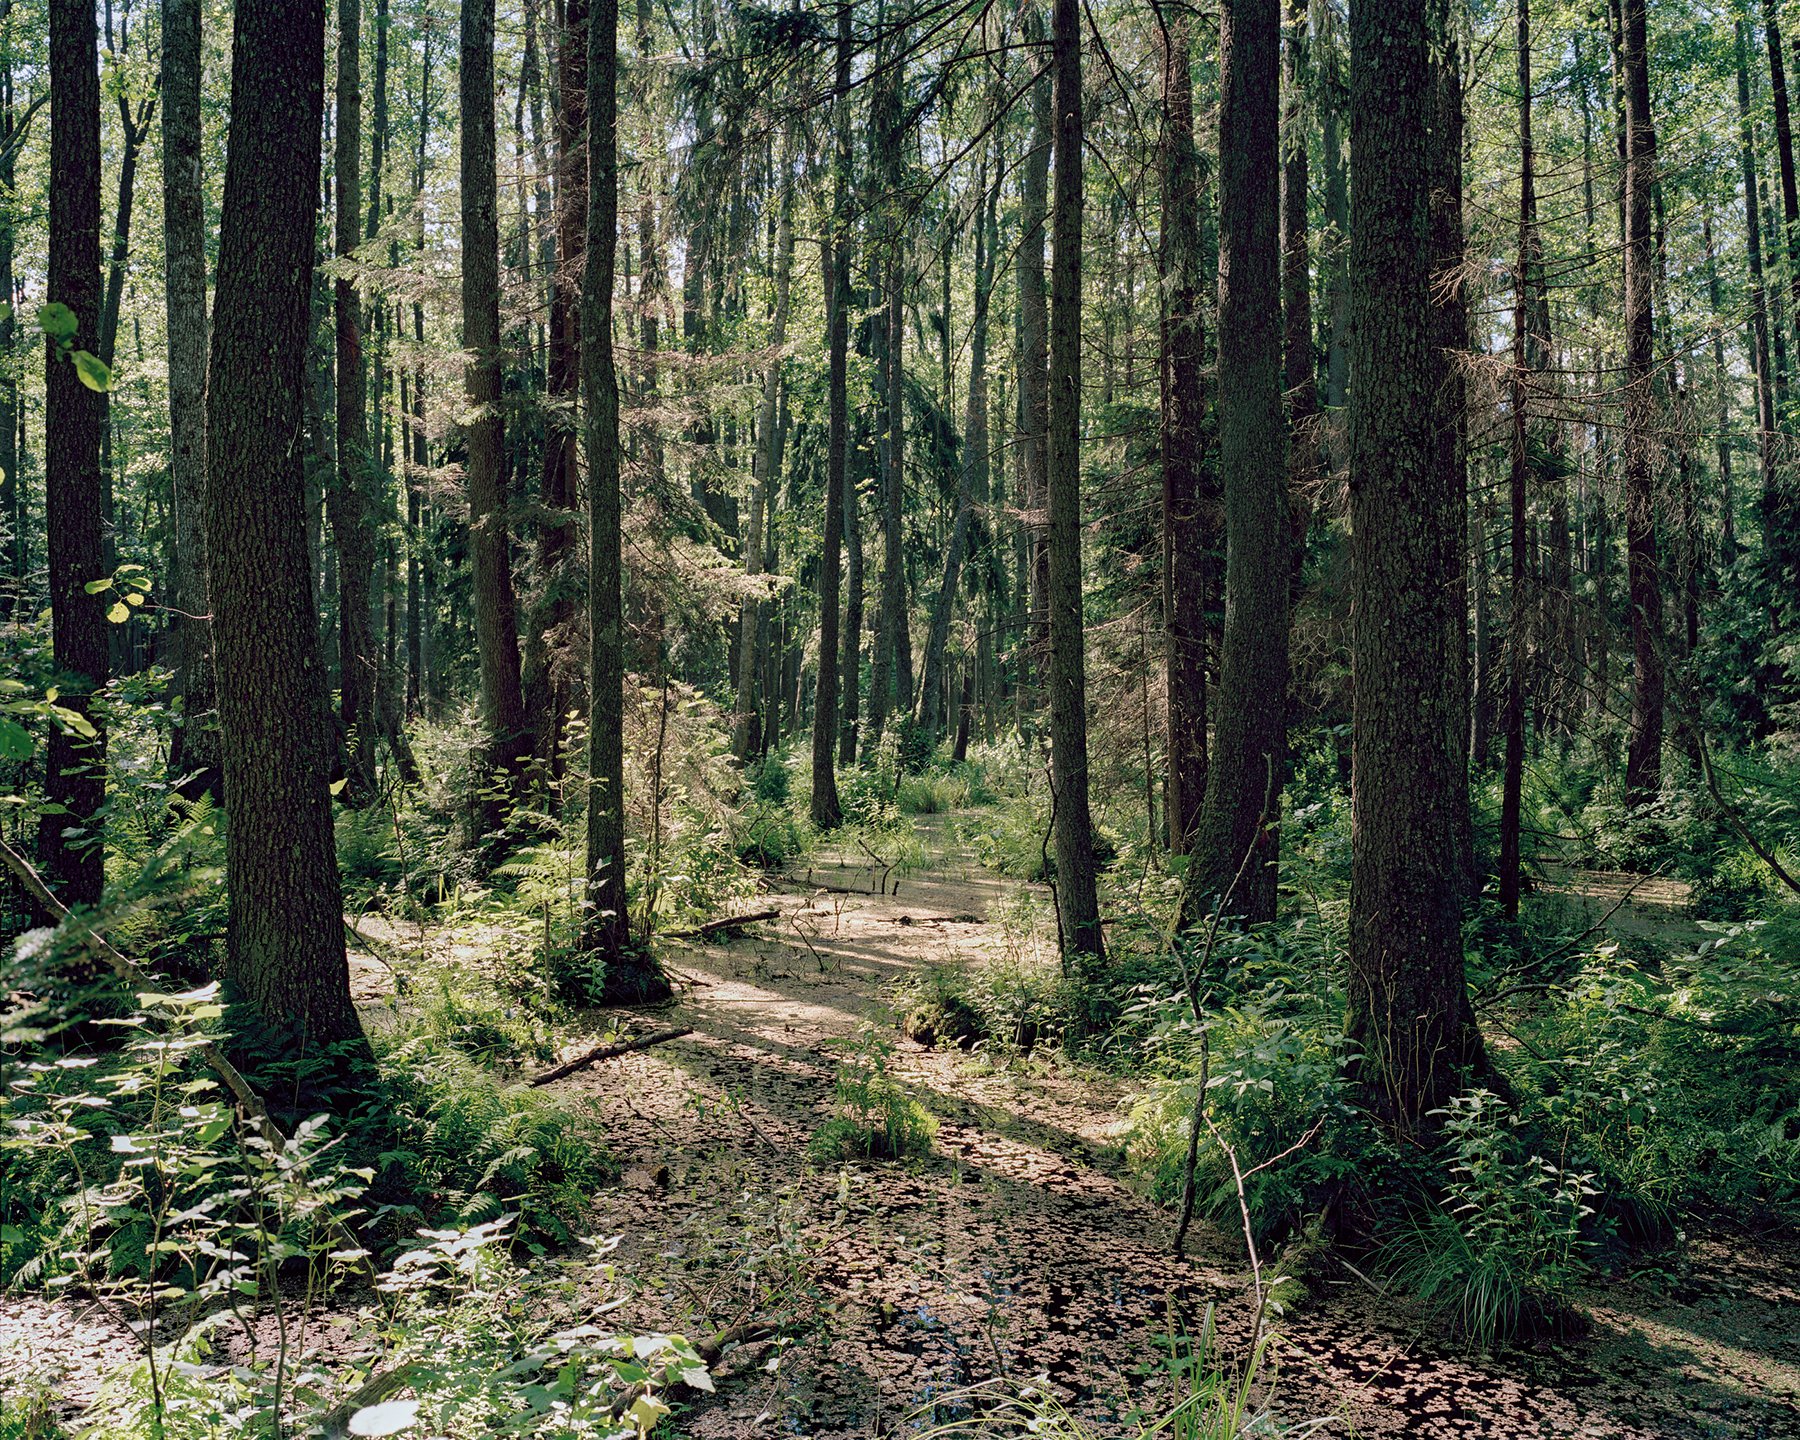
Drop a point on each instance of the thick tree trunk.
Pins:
(826, 811)
(194, 751)
(1780, 512)
(551, 669)
(286, 935)
(1408, 1010)
(1187, 521)
(1643, 765)
(632, 974)
(1237, 844)
(70, 838)
(347, 498)
(1077, 899)
(496, 632)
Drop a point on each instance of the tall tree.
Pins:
(496, 627)
(1780, 513)
(69, 837)
(1186, 527)
(195, 747)
(632, 974)
(348, 498)
(286, 933)
(1237, 843)
(1408, 1010)
(1766, 419)
(1643, 764)
(12, 492)
(1034, 344)
(1077, 899)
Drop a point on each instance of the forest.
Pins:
(856, 718)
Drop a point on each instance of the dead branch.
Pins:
(609, 1052)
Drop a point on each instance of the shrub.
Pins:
(932, 793)
(872, 1117)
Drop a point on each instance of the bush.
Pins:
(932, 793)
(872, 1117)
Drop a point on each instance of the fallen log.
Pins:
(609, 1052)
(728, 922)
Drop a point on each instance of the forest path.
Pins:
(1019, 1247)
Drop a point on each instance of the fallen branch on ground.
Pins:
(608, 1052)
(728, 922)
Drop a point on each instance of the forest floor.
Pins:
(1020, 1247)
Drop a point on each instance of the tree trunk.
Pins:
(1722, 385)
(632, 974)
(1077, 900)
(1187, 522)
(826, 811)
(496, 632)
(1033, 363)
(1643, 765)
(1780, 514)
(1334, 245)
(70, 837)
(12, 491)
(194, 750)
(1766, 419)
(286, 935)
(1237, 844)
(551, 670)
(1408, 1010)
(746, 728)
(347, 498)
(850, 661)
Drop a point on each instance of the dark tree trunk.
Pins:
(826, 811)
(1334, 245)
(632, 974)
(194, 751)
(1236, 847)
(551, 670)
(496, 631)
(1766, 419)
(1643, 765)
(1077, 899)
(1187, 521)
(1780, 514)
(347, 498)
(70, 838)
(1408, 1009)
(1299, 373)
(850, 661)
(1034, 350)
(418, 598)
(286, 936)
(1721, 384)
(12, 492)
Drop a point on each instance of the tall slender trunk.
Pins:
(1408, 1008)
(194, 750)
(12, 492)
(1077, 899)
(1766, 419)
(1237, 845)
(1643, 766)
(285, 941)
(826, 810)
(1034, 342)
(69, 837)
(1780, 512)
(1334, 245)
(745, 727)
(496, 632)
(1722, 385)
(1187, 521)
(1299, 374)
(418, 598)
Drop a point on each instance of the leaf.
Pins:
(646, 1411)
(118, 612)
(15, 740)
(337, 786)
(57, 320)
(92, 371)
(388, 1418)
(94, 587)
(125, 1145)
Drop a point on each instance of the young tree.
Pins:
(1236, 846)
(69, 837)
(1643, 763)
(286, 937)
(632, 974)
(194, 749)
(1077, 900)
(1186, 527)
(1408, 1008)
(496, 631)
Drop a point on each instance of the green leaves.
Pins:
(92, 372)
(57, 321)
(60, 323)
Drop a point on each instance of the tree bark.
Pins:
(826, 811)
(1034, 350)
(194, 750)
(1766, 420)
(286, 932)
(1077, 900)
(12, 492)
(1643, 765)
(496, 632)
(1187, 522)
(1780, 514)
(1408, 1011)
(70, 837)
(1237, 844)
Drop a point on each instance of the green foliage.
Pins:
(1006, 1004)
(1503, 1251)
(872, 1118)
